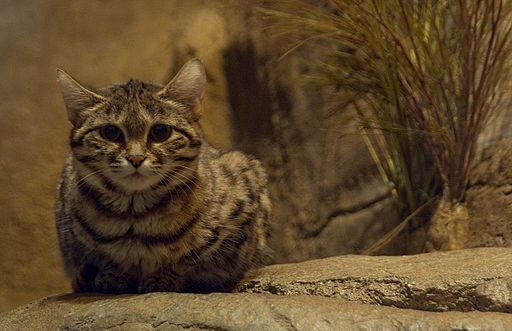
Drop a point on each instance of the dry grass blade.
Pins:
(395, 232)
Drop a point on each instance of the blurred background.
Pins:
(327, 196)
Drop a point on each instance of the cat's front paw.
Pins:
(162, 281)
(84, 278)
(90, 278)
(113, 282)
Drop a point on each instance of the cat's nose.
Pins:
(136, 160)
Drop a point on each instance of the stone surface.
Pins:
(489, 198)
(171, 311)
(464, 280)
(326, 191)
(458, 290)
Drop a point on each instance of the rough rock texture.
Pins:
(489, 198)
(325, 188)
(171, 311)
(341, 293)
(473, 279)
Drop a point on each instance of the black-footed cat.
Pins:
(145, 203)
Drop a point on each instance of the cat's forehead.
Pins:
(136, 101)
(132, 89)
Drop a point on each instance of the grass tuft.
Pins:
(424, 77)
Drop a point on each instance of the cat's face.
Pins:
(137, 135)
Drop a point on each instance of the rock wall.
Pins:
(489, 198)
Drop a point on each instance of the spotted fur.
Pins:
(187, 218)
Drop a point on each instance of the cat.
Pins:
(145, 203)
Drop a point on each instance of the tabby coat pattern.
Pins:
(145, 203)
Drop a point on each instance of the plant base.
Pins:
(448, 227)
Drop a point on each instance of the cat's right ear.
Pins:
(187, 87)
(78, 99)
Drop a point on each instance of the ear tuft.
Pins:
(76, 97)
(187, 87)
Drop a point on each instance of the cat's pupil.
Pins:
(160, 132)
(111, 132)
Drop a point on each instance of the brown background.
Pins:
(326, 194)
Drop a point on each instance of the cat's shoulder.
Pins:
(241, 164)
(235, 163)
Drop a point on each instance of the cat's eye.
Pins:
(160, 132)
(111, 133)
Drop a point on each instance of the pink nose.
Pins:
(136, 160)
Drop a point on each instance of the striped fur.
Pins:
(189, 218)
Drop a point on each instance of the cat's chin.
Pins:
(136, 182)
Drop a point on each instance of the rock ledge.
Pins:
(464, 280)
(467, 289)
(239, 311)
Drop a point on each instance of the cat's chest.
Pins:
(144, 243)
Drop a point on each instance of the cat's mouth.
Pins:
(135, 174)
(133, 180)
(136, 181)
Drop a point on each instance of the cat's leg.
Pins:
(163, 280)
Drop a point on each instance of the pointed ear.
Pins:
(78, 99)
(187, 87)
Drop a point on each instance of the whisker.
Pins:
(83, 179)
(174, 179)
(193, 176)
(181, 181)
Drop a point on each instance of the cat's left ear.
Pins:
(187, 87)
(78, 99)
